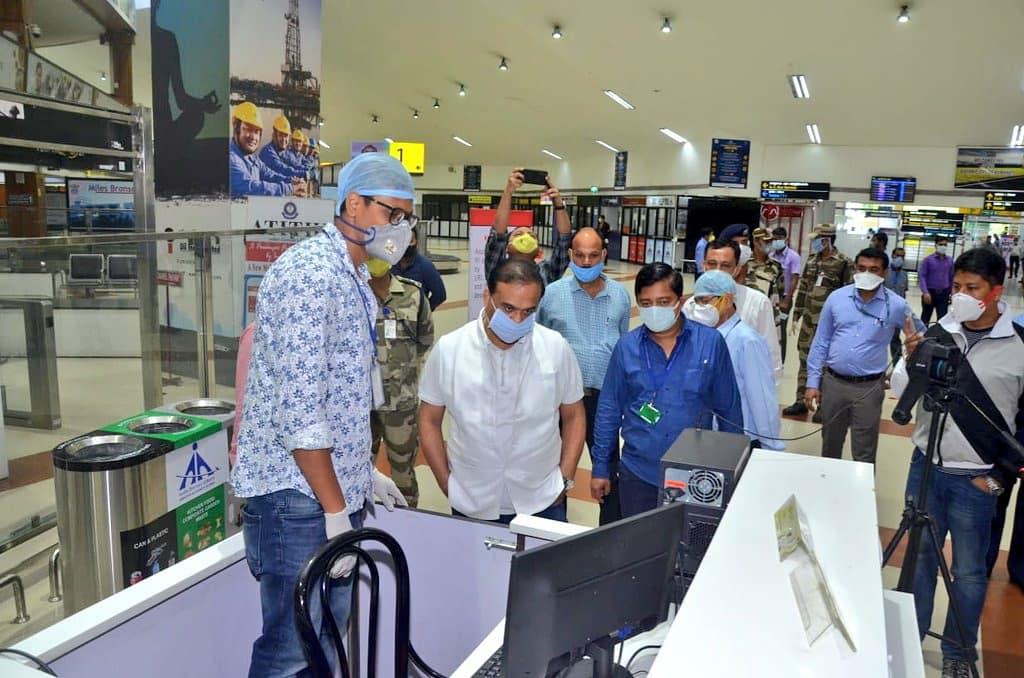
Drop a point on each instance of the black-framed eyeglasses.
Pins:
(397, 215)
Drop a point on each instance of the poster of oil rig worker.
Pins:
(275, 96)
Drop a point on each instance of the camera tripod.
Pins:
(916, 519)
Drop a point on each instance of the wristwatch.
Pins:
(995, 488)
(560, 207)
(568, 484)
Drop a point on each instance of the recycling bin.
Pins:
(110, 504)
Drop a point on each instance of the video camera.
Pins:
(932, 364)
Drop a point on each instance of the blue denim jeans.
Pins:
(559, 512)
(959, 509)
(636, 495)
(282, 530)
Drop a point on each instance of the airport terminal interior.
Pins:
(134, 232)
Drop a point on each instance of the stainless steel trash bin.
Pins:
(111, 494)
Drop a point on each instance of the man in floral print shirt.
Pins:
(304, 443)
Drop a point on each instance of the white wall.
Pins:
(85, 59)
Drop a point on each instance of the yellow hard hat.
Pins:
(297, 135)
(249, 114)
(282, 125)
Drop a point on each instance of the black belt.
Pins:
(592, 392)
(855, 380)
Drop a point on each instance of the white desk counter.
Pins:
(740, 617)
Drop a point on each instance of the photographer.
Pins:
(963, 493)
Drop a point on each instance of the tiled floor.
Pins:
(97, 392)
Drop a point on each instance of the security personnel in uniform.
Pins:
(826, 270)
(405, 332)
(764, 274)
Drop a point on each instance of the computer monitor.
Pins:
(122, 268)
(566, 598)
(85, 268)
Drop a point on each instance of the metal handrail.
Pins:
(44, 242)
(56, 595)
(21, 612)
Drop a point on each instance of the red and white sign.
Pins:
(169, 278)
(260, 254)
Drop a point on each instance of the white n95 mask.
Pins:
(867, 281)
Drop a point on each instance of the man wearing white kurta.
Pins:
(514, 393)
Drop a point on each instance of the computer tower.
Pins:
(701, 470)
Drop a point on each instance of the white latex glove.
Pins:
(338, 524)
(387, 491)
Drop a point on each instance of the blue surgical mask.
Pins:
(897, 262)
(779, 245)
(508, 330)
(817, 246)
(658, 318)
(589, 274)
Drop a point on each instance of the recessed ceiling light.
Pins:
(619, 100)
(798, 85)
(462, 141)
(553, 155)
(812, 133)
(608, 146)
(389, 140)
(904, 16)
(666, 26)
(1017, 136)
(674, 136)
(503, 66)
(415, 113)
(557, 33)
(462, 90)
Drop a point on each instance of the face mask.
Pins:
(941, 249)
(525, 243)
(378, 268)
(705, 314)
(508, 330)
(817, 246)
(897, 262)
(779, 245)
(658, 318)
(586, 275)
(964, 308)
(766, 248)
(867, 281)
(745, 254)
(387, 242)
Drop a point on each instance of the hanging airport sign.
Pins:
(411, 154)
(621, 163)
(659, 201)
(730, 162)
(480, 199)
(776, 189)
(472, 176)
(1004, 201)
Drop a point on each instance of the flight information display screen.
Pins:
(893, 189)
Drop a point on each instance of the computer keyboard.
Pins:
(493, 666)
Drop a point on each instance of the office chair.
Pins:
(317, 570)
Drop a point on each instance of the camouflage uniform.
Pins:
(821, 277)
(405, 332)
(765, 277)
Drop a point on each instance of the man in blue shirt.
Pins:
(897, 281)
(715, 306)
(272, 154)
(706, 236)
(663, 377)
(848, 359)
(415, 266)
(249, 176)
(592, 312)
(304, 442)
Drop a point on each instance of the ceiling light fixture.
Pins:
(320, 123)
(812, 133)
(557, 33)
(619, 100)
(103, 76)
(415, 114)
(462, 141)
(553, 155)
(904, 16)
(437, 104)
(674, 136)
(608, 146)
(1017, 136)
(503, 66)
(389, 140)
(462, 90)
(374, 119)
(798, 85)
(666, 26)
(324, 144)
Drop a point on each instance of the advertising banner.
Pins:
(10, 64)
(190, 98)
(275, 97)
(360, 147)
(730, 160)
(621, 163)
(990, 168)
(46, 80)
(107, 204)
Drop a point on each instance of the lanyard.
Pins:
(371, 320)
(658, 380)
(860, 307)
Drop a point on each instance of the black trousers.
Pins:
(1014, 265)
(610, 509)
(940, 303)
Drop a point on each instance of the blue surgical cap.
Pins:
(372, 174)
(714, 284)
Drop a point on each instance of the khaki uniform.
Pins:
(766, 278)
(821, 277)
(405, 332)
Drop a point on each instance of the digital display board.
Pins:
(893, 189)
(1004, 201)
(933, 222)
(794, 190)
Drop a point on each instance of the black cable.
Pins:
(43, 666)
(634, 655)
